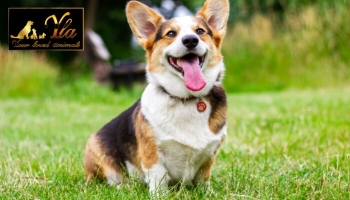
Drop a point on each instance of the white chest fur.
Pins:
(182, 133)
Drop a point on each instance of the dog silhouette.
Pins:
(34, 36)
(25, 31)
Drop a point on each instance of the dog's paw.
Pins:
(206, 188)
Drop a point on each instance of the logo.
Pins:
(46, 29)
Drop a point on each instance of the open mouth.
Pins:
(190, 65)
(176, 64)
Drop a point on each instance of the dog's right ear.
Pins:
(143, 21)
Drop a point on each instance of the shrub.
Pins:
(308, 49)
(24, 73)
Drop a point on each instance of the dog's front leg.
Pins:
(203, 173)
(157, 178)
(156, 174)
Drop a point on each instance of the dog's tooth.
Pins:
(178, 63)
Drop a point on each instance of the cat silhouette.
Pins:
(42, 36)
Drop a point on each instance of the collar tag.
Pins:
(201, 106)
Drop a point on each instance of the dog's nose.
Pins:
(190, 41)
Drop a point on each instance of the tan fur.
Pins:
(219, 30)
(216, 119)
(146, 142)
(218, 115)
(93, 155)
(156, 51)
(24, 32)
(153, 58)
(96, 162)
(146, 35)
(207, 15)
(215, 46)
(137, 20)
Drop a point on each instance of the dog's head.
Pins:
(30, 23)
(183, 53)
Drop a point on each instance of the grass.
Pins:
(281, 145)
(292, 143)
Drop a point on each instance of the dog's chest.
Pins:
(182, 162)
(174, 120)
(182, 133)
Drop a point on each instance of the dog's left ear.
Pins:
(143, 21)
(215, 13)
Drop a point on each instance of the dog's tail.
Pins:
(14, 37)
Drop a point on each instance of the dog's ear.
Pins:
(215, 13)
(143, 21)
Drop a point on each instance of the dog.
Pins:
(42, 36)
(24, 32)
(173, 133)
(34, 36)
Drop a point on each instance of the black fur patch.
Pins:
(207, 28)
(160, 30)
(218, 102)
(118, 138)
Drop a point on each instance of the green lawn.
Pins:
(280, 145)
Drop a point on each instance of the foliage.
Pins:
(309, 50)
(112, 26)
(25, 73)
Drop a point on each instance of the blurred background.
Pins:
(270, 45)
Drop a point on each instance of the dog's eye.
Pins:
(171, 34)
(200, 31)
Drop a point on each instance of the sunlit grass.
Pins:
(281, 145)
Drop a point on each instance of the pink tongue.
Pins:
(194, 79)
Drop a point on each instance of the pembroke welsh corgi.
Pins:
(172, 134)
